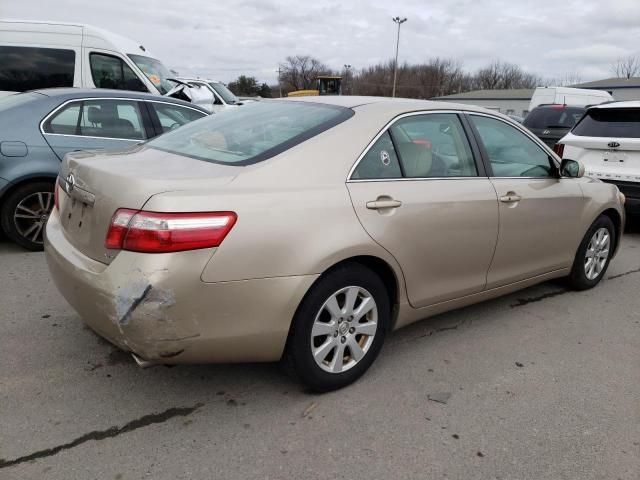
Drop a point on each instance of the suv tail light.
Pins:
(558, 148)
(155, 232)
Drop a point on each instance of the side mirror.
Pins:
(571, 168)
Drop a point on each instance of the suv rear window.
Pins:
(251, 133)
(29, 68)
(610, 122)
(553, 116)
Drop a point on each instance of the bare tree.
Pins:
(299, 72)
(626, 67)
(504, 75)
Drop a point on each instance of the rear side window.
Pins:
(381, 161)
(252, 133)
(119, 119)
(108, 71)
(174, 116)
(28, 68)
(553, 117)
(609, 122)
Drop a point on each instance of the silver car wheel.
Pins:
(344, 329)
(31, 215)
(597, 253)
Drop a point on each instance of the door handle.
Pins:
(510, 197)
(382, 204)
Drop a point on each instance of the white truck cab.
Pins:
(37, 55)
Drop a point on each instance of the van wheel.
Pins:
(339, 328)
(25, 212)
(593, 256)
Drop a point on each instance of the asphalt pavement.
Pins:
(540, 384)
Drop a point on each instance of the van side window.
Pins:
(29, 68)
(108, 71)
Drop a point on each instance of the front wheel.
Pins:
(593, 255)
(339, 328)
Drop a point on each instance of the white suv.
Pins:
(607, 141)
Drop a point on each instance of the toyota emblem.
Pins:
(71, 182)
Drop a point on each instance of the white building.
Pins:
(516, 101)
(510, 102)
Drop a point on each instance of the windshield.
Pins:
(609, 122)
(226, 94)
(155, 71)
(556, 116)
(253, 133)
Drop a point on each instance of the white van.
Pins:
(36, 55)
(574, 97)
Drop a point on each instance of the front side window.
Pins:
(433, 145)
(119, 119)
(380, 161)
(29, 68)
(511, 152)
(174, 116)
(109, 71)
(252, 133)
(610, 122)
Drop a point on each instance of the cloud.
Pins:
(226, 39)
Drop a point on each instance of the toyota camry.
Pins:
(305, 230)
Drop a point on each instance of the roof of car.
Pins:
(398, 105)
(627, 104)
(71, 93)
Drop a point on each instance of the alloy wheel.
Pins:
(344, 329)
(31, 215)
(597, 253)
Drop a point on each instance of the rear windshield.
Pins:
(553, 117)
(251, 133)
(610, 122)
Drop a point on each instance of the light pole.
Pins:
(347, 66)
(399, 21)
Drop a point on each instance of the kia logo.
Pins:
(613, 144)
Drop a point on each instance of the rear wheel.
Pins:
(339, 328)
(592, 259)
(25, 212)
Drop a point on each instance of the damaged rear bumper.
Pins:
(156, 306)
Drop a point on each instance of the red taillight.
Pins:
(56, 194)
(155, 232)
(558, 148)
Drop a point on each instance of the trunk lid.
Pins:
(605, 158)
(94, 185)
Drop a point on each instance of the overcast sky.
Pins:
(223, 39)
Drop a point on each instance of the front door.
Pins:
(539, 211)
(420, 194)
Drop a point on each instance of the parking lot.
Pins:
(543, 384)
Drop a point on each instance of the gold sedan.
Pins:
(304, 230)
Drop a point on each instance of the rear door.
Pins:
(607, 141)
(95, 124)
(419, 192)
(539, 211)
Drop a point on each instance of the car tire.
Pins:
(24, 213)
(593, 255)
(325, 350)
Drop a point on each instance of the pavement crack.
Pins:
(539, 298)
(104, 434)
(624, 274)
